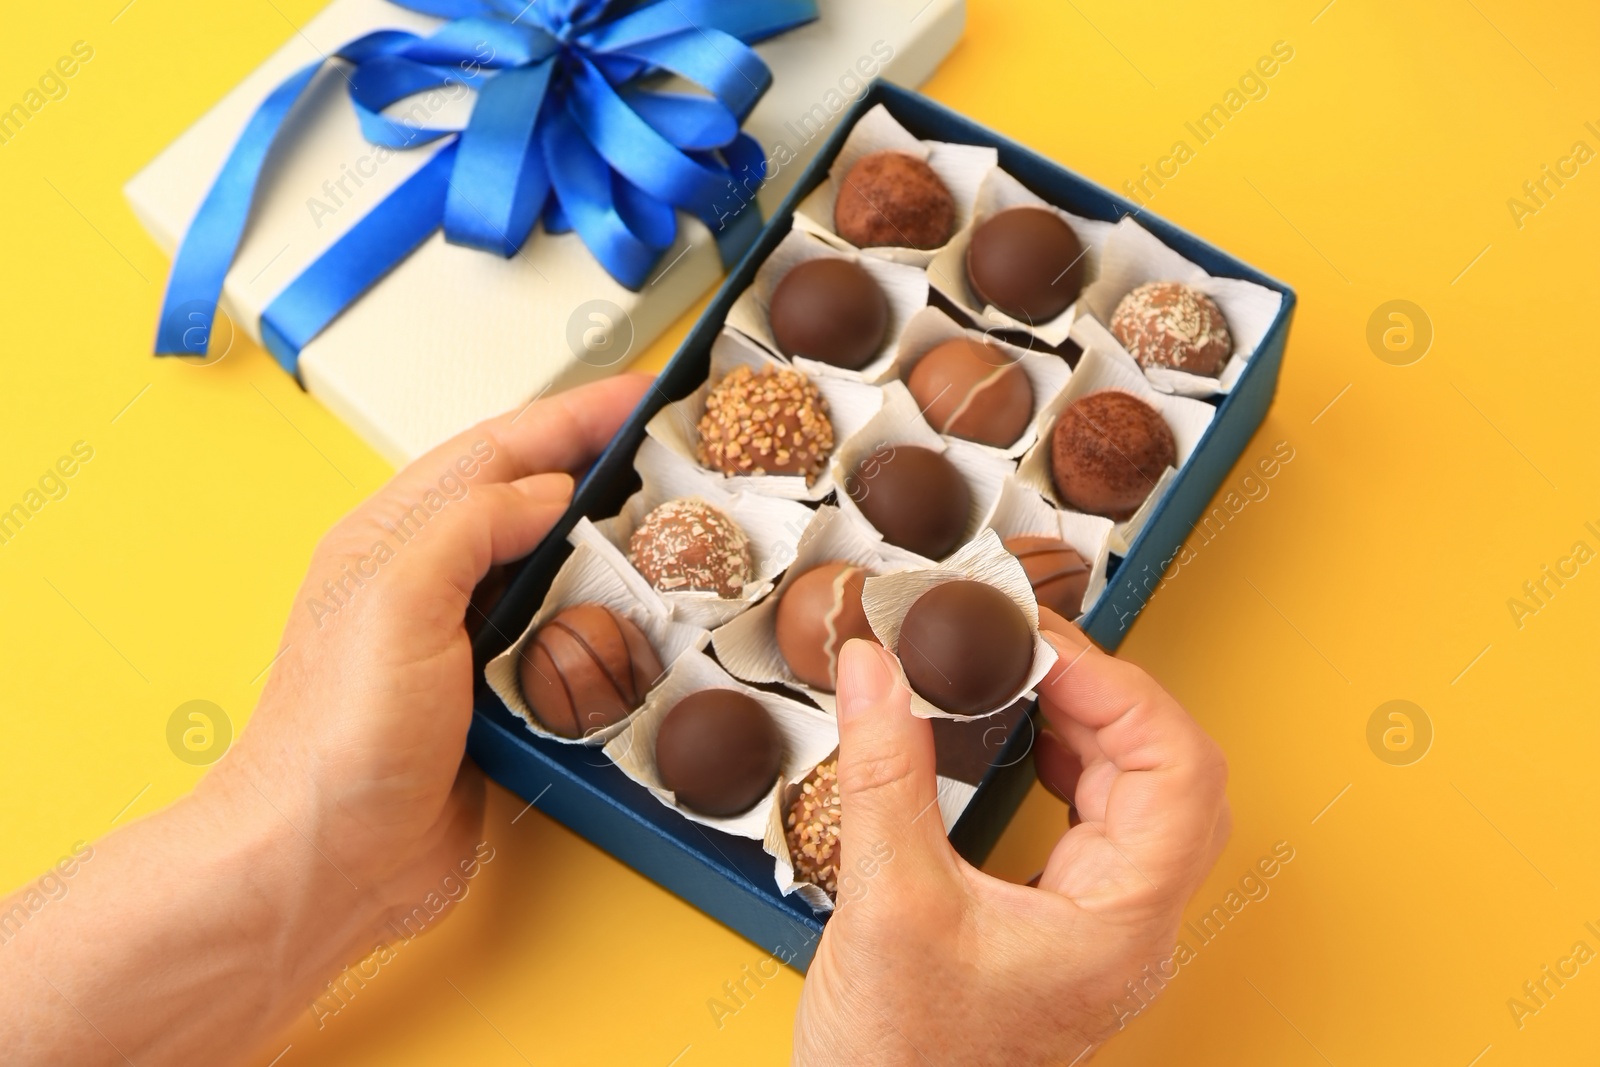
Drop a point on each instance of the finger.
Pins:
(888, 788)
(561, 432)
(492, 524)
(1164, 784)
(1057, 765)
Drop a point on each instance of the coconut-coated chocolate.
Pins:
(914, 497)
(689, 546)
(893, 199)
(585, 669)
(972, 390)
(1027, 262)
(1058, 573)
(817, 614)
(1168, 324)
(1107, 452)
(831, 310)
(719, 752)
(966, 647)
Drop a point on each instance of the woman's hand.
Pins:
(933, 961)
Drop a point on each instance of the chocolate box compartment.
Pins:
(730, 878)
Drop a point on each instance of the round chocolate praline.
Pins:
(817, 614)
(1058, 573)
(1107, 452)
(719, 752)
(689, 546)
(772, 421)
(1027, 262)
(966, 647)
(1168, 324)
(972, 390)
(586, 669)
(893, 199)
(914, 497)
(812, 828)
(831, 310)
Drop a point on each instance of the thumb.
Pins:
(888, 789)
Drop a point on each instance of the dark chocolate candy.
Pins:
(585, 669)
(831, 310)
(914, 497)
(893, 199)
(966, 647)
(1027, 262)
(1107, 452)
(719, 752)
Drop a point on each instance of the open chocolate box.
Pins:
(732, 877)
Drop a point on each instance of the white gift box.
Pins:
(454, 335)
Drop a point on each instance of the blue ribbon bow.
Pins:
(564, 130)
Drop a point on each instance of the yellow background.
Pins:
(1378, 167)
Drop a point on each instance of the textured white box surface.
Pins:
(452, 335)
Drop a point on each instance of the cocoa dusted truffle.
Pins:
(817, 614)
(719, 752)
(831, 310)
(768, 422)
(690, 546)
(972, 390)
(1107, 452)
(914, 497)
(966, 647)
(1058, 573)
(1027, 262)
(812, 828)
(893, 199)
(585, 669)
(1166, 324)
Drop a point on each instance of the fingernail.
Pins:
(867, 676)
(1069, 640)
(555, 488)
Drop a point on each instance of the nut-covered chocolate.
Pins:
(893, 199)
(585, 669)
(688, 546)
(966, 647)
(1058, 573)
(1107, 452)
(817, 614)
(831, 310)
(719, 752)
(1027, 262)
(811, 828)
(914, 497)
(1167, 324)
(768, 422)
(973, 390)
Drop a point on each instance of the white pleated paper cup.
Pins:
(1022, 512)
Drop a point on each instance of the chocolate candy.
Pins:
(586, 669)
(690, 546)
(973, 390)
(893, 199)
(1165, 324)
(812, 828)
(768, 422)
(966, 647)
(1027, 262)
(817, 614)
(719, 752)
(830, 309)
(1060, 576)
(1107, 452)
(914, 497)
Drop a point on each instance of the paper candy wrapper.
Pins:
(588, 577)
(1101, 368)
(1022, 511)
(905, 287)
(1133, 256)
(677, 426)
(1047, 373)
(948, 270)
(748, 645)
(889, 597)
(961, 167)
(774, 527)
(899, 423)
(808, 734)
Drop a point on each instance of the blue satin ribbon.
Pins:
(565, 131)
